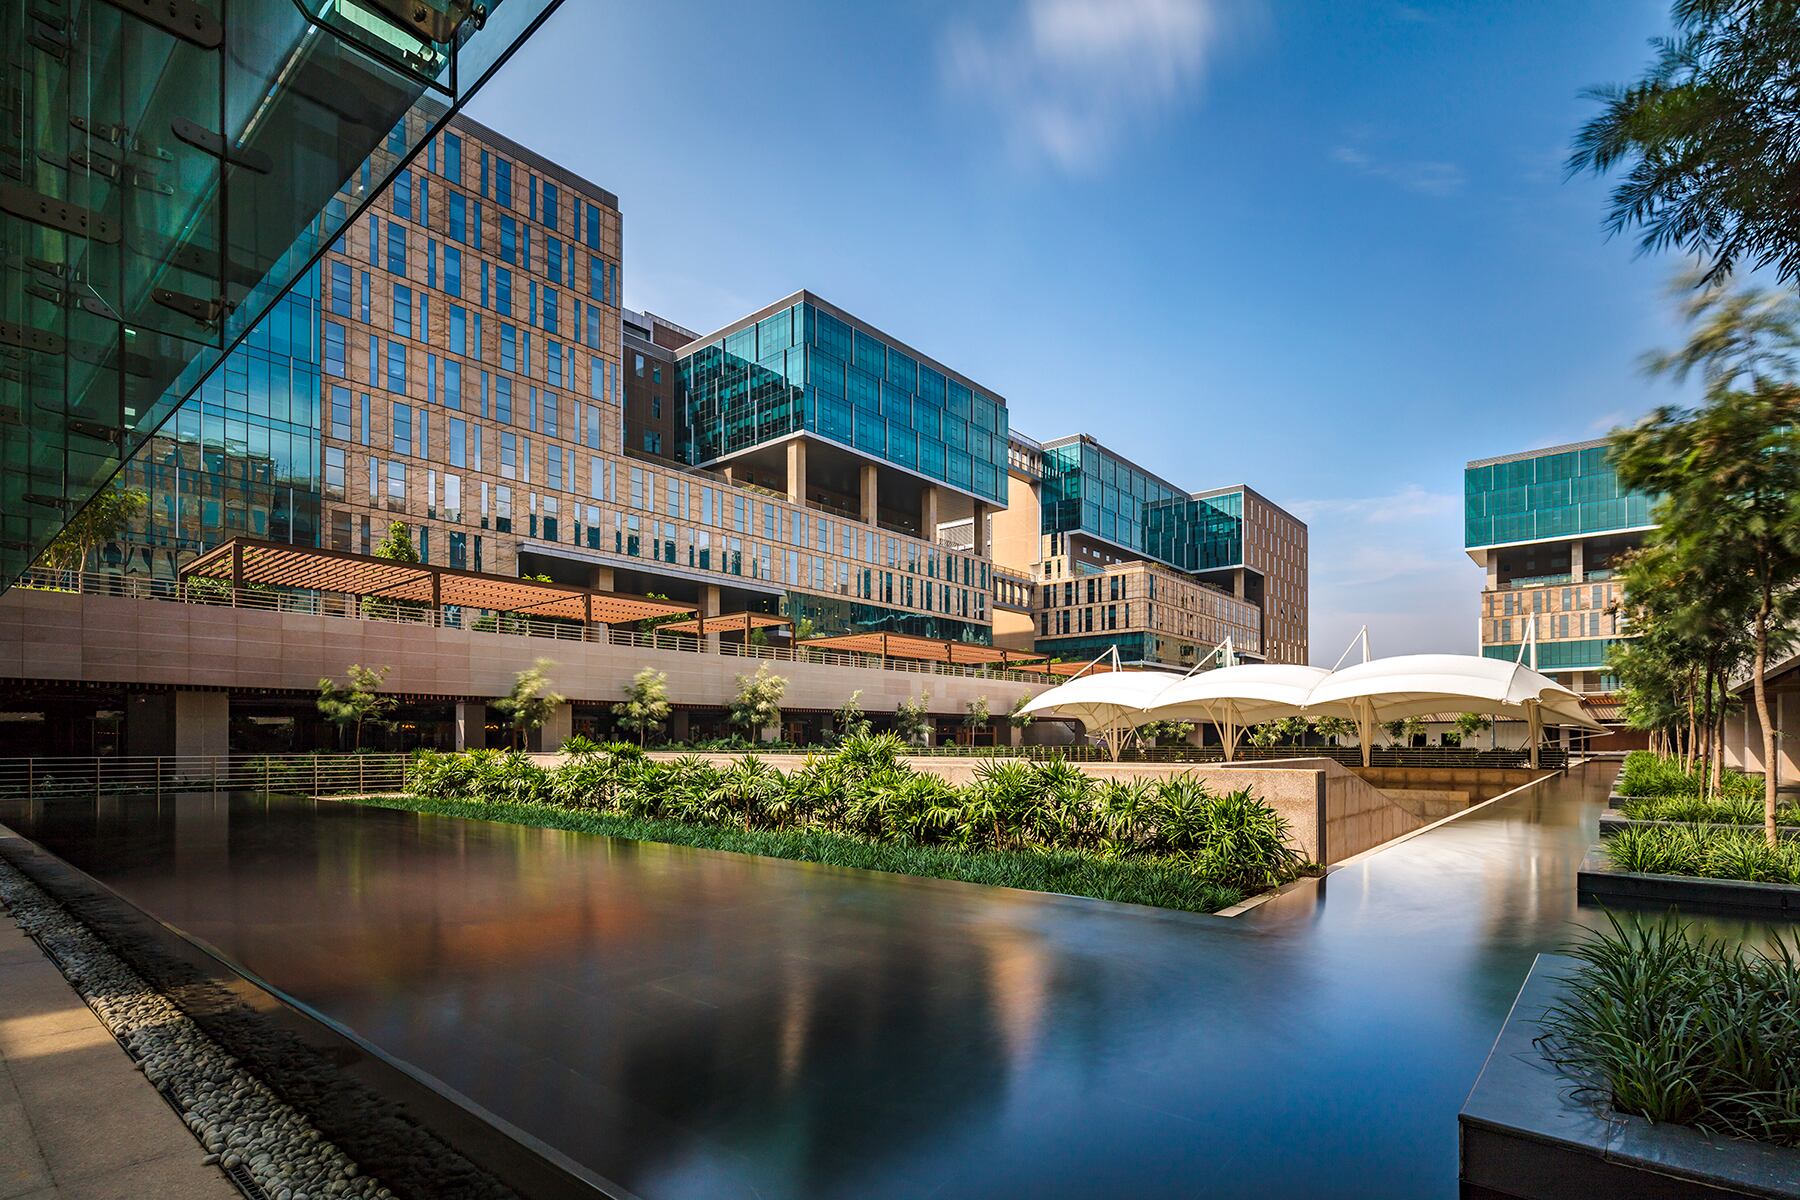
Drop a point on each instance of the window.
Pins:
(334, 472)
(503, 289)
(396, 367)
(453, 158)
(402, 428)
(453, 270)
(503, 399)
(509, 348)
(509, 240)
(459, 438)
(459, 217)
(334, 349)
(396, 248)
(459, 329)
(637, 365)
(340, 288)
(396, 487)
(503, 182)
(550, 199)
(340, 412)
(652, 441)
(401, 317)
(549, 314)
(509, 455)
(656, 407)
(402, 191)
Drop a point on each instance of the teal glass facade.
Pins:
(1563, 492)
(1088, 489)
(240, 457)
(1588, 654)
(803, 369)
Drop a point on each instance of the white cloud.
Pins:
(1070, 77)
(1427, 178)
(1394, 563)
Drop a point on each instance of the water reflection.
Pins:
(695, 1024)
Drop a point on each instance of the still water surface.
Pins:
(698, 1024)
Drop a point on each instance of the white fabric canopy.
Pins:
(1413, 685)
(1232, 698)
(1112, 701)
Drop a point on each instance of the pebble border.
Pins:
(240, 1122)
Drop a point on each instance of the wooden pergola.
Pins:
(924, 649)
(738, 622)
(243, 562)
(1064, 668)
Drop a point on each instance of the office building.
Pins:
(1123, 557)
(140, 252)
(1549, 528)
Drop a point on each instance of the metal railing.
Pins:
(308, 774)
(309, 602)
(1549, 759)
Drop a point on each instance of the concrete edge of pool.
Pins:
(418, 1135)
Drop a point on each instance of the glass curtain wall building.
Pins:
(169, 179)
(807, 367)
(1100, 511)
(1548, 527)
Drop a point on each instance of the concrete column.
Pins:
(1007, 734)
(730, 473)
(928, 513)
(678, 725)
(1577, 563)
(471, 725)
(554, 732)
(979, 527)
(709, 607)
(870, 496)
(796, 471)
(603, 579)
(202, 723)
(1493, 571)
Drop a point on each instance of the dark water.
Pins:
(697, 1024)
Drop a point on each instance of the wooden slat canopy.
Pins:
(1065, 668)
(737, 622)
(245, 561)
(923, 649)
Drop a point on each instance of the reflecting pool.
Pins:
(691, 1023)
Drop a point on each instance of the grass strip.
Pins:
(1704, 852)
(1158, 884)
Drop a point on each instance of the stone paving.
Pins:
(77, 1120)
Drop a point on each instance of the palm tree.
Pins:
(1706, 137)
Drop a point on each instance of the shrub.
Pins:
(1646, 774)
(1685, 1029)
(509, 778)
(1704, 851)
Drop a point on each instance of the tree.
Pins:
(649, 624)
(358, 702)
(1729, 475)
(977, 714)
(96, 523)
(757, 705)
(395, 546)
(646, 705)
(1334, 728)
(1707, 139)
(848, 720)
(1017, 716)
(1155, 733)
(1470, 724)
(912, 721)
(1402, 732)
(530, 702)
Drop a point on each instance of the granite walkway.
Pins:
(77, 1120)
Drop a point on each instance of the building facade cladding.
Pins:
(238, 458)
(1165, 617)
(650, 399)
(473, 372)
(804, 366)
(1098, 509)
(1549, 528)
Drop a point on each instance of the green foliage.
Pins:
(1163, 733)
(757, 706)
(1470, 724)
(977, 714)
(1704, 851)
(1722, 810)
(866, 790)
(912, 719)
(1402, 732)
(848, 720)
(1335, 729)
(397, 546)
(646, 705)
(1685, 1029)
(100, 520)
(1016, 716)
(358, 702)
(649, 624)
(1705, 139)
(1646, 774)
(530, 702)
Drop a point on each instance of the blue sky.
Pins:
(1324, 249)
